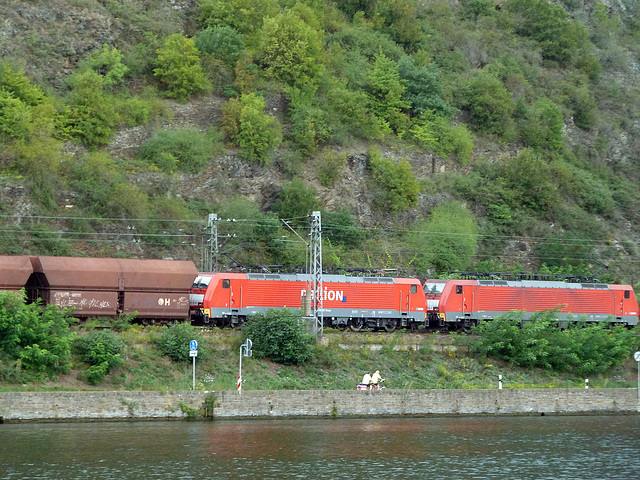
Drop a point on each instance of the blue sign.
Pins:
(193, 345)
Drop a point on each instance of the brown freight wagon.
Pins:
(158, 290)
(14, 272)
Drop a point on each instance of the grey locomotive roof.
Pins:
(542, 284)
(325, 278)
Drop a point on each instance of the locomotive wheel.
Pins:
(391, 325)
(356, 324)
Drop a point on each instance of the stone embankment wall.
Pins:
(63, 406)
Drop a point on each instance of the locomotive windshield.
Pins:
(434, 288)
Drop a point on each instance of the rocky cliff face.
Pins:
(50, 36)
(47, 38)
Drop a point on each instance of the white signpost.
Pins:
(193, 352)
(636, 356)
(247, 353)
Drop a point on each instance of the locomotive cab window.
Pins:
(414, 289)
(458, 289)
(226, 283)
(627, 294)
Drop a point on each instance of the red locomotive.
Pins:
(464, 303)
(353, 302)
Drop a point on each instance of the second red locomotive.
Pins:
(464, 303)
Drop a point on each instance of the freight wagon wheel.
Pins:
(391, 325)
(356, 324)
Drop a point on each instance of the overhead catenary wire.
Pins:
(386, 234)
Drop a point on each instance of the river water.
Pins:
(514, 448)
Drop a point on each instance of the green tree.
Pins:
(491, 105)
(246, 125)
(37, 336)
(26, 112)
(386, 92)
(222, 42)
(296, 200)
(17, 85)
(446, 241)
(560, 38)
(339, 227)
(91, 115)
(348, 116)
(423, 92)
(310, 124)
(289, 49)
(541, 125)
(528, 176)
(245, 16)
(397, 188)
(584, 108)
(434, 133)
(279, 335)
(178, 67)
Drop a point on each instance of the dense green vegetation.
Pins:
(40, 350)
(529, 109)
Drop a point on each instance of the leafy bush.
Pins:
(15, 117)
(490, 104)
(183, 149)
(244, 16)
(247, 125)
(90, 115)
(339, 228)
(102, 350)
(528, 175)
(309, 121)
(289, 49)
(566, 250)
(435, 133)
(15, 83)
(397, 187)
(584, 108)
(583, 348)
(175, 339)
(38, 336)
(92, 178)
(541, 125)
(331, 167)
(560, 38)
(108, 63)
(223, 42)
(279, 335)
(349, 116)
(386, 92)
(423, 88)
(178, 67)
(296, 200)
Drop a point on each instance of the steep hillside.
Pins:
(519, 121)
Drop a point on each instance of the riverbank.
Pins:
(112, 405)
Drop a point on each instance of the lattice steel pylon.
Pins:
(316, 270)
(210, 263)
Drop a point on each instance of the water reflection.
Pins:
(448, 448)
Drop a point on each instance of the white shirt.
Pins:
(366, 379)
